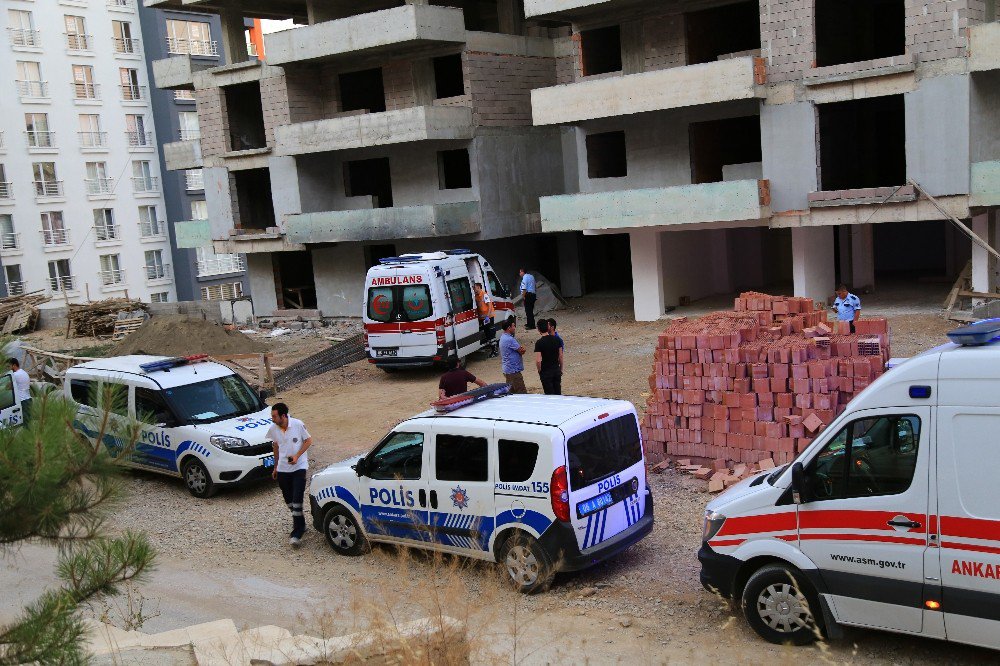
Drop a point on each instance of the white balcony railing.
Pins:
(157, 271)
(138, 139)
(106, 232)
(190, 134)
(152, 229)
(100, 185)
(132, 93)
(40, 138)
(10, 241)
(2, 144)
(194, 179)
(15, 288)
(62, 283)
(23, 37)
(48, 188)
(195, 47)
(120, 4)
(184, 95)
(126, 45)
(221, 265)
(82, 90)
(112, 277)
(145, 184)
(6, 190)
(55, 237)
(78, 42)
(93, 139)
(32, 88)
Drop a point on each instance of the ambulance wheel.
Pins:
(778, 607)
(343, 533)
(197, 479)
(527, 564)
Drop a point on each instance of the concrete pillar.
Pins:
(647, 274)
(633, 56)
(318, 11)
(260, 277)
(424, 91)
(844, 243)
(813, 271)
(285, 195)
(862, 257)
(234, 39)
(339, 274)
(981, 260)
(510, 16)
(570, 265)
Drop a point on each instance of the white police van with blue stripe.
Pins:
(197, 419)
(538, 483)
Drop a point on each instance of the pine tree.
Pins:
(56, 487)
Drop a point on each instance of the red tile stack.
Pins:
(759, 382)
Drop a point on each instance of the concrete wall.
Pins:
(260, 274)
(985, 115)
(788, 144)
(339, 272)
(937, 135)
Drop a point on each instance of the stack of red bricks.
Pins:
(756, 383)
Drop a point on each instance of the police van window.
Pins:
(598, 453)
(416, 302)
(867, 458)
(113, 397)
(399, 457)
(461, 294)
(380, 304)
(150, 406)
(517, 459)
(82, 392)
(461, 458)
(495, 285)
(6, 391)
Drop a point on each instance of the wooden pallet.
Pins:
(19, 320)
(123, 327)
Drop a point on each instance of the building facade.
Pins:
(680, 151)
(81, 202)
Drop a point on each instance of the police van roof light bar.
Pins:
(462, 251)
(175, 362)
(974, 335)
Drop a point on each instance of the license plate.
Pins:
(594, 504)
(268, 461)
(387, 352)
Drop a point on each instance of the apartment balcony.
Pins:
(692, 85)
(132, 93)
(563, 8)
(26, 39)
(194, 180)
(3, 141)
(55, 238)
(195, 47)
(32, 90)
(387, 33)
(182, 155)
(6, 191)
(223, 265)
(127, 45)
(40, 140)
(99, 188)
(182, 95)
(107, 233)
(153, 230)
(48, 189)
(145, 185)
(77, 42)
(361, 130)
(177, 72)
(86, 91)
(121, 5)
(137, 139)
(985, 184)
(379, 224)
(93, 140)
(15, 288)
(984, 47)
(729, 201)
(62, 284)
(158, 273)
(10, 242)
(112, 278)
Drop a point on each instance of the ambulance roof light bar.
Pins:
(414, 257)
(169, 363)
(975, 335)
(461, 251)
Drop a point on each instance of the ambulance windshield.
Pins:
(214, 400)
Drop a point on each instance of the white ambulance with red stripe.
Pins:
(420, 309)
(889, 520)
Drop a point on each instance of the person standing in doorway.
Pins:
(529, 292)
(848, 306)
(22, 387)
(456, 380)
(549, 360)
(511, 361)
(487, 314)
(291, 442)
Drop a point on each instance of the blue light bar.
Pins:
(458, 251)
(400, 260)
(981, 333)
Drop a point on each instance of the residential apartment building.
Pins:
(682, 149)
(199, 273)
(80, 190)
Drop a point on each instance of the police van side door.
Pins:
(10, 409)
(394, 486)
(159, 435)
(460, 490)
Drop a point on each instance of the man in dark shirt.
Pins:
(456, 380)
(549, 360)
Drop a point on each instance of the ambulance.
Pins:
(890, 520)
(420, 309)
(198, 420)
(539, 484)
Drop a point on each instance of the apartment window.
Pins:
(15, 283)
(36, 129)
(362, 91)
(862, 143)
(710, 33)
(135, 130)
(105, 228)
(222, 292)
(29, 79)
(369, 178)
(46, 183)
(159, 297)
(6, 191)
(123, 40)
(606, 155)
(149, 225)
(454, 172)
(21, 28)
(858, 30)
(199, 210)
(60, 277)
(155, 268)
(190, 37)
(83, 82)
(111, 272)
(194, 180)
(602, 50)
(448, 78)
(97, 178)
(54, 231)
(716, 144)
(77, 38)
(142, 177)
(183, 95)
(129, 78)
(189, 128)
(210, 263)
(8, 237)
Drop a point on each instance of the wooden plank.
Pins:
(960, 284)
(978, 294)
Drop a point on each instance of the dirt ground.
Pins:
(645, 606)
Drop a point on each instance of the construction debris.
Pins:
(101, 318)
(19, 314)
(758, 383)
(718, 478)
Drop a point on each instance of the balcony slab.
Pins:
(177, 72)
(984, 47)
(183, 155)
(380, 224)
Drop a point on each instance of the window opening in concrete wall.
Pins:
(369, 178)
(715, 144)
(601, 49)
(253, 199)
(362, 91)
(857, 30)
(606, 155)
(246, 116)
(454, 171)
(480, 15)
(294, 281)
(606, 262)
(862, 143)
(375, 252)
(720, 31)
(448, 78)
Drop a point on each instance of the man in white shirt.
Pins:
(291, 442)
(22, 387)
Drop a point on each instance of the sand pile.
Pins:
(181, 336)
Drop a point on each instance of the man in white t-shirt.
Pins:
(22, 387)
(291, 442)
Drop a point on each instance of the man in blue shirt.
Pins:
(511, 362)
(528, 291)
(847, 305)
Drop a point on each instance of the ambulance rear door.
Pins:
(465, 321)
(418, 309)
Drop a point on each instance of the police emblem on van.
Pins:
(459, 498)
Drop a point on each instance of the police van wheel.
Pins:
(777, 606)
(343, 533)
(197, 479)
(526, 564)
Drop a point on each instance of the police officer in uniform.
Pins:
(847, 306)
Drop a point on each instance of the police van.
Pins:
(198, 419)
(889, 520)
(420, 309)
(11, 411)
(539, 484)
